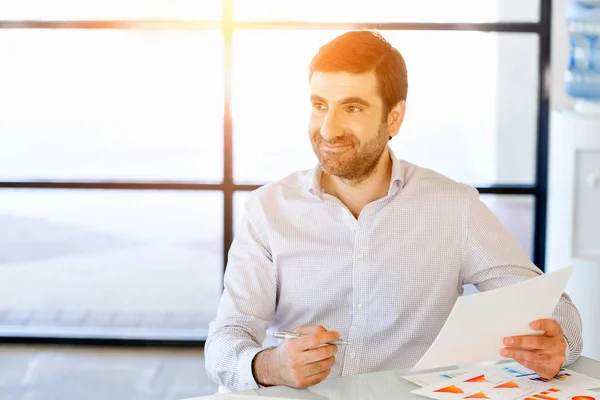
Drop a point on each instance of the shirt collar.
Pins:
(396, 183)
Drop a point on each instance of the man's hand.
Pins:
(296, 362)
(544, 354)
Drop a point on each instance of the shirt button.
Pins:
(352, 355)
(359, 307)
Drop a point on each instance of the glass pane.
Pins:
(110, 9)
(110, 260)
(386, 11)
(111, 104)
(462, 118)
(517, 214)
(270, 102)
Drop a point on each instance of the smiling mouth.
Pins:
(335, 148)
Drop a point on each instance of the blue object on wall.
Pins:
(582, 77)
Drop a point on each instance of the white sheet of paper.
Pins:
(478, 323)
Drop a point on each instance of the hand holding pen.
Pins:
(299, 362)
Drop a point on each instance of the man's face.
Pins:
(346, 128)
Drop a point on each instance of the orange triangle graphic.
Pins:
(479, 395)
(477, 379)
(507, 385)
(449, 389)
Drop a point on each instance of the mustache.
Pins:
(337, 141)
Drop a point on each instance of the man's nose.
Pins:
(331, 126)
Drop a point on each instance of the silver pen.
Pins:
(292, 335)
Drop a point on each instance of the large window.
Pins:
(83, 104)
(131, 133)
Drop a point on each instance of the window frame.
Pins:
(228, 25)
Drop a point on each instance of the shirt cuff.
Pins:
(245, 376)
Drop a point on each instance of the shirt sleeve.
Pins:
(247, 306)
(493, 258)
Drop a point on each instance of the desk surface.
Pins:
(378, 385)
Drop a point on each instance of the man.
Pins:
(365, 247)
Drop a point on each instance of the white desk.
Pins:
(377, 385)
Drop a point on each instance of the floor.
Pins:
(83, 372)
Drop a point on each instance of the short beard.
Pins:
(358, 166)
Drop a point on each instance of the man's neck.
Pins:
(357, 194)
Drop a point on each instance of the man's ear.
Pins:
(396, 117)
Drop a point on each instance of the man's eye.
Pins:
(353, 109)
(319, 106)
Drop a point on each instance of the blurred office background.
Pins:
(132, 131)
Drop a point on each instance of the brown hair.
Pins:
(362, 51)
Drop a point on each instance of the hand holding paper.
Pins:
(478, 324)
(544, 354)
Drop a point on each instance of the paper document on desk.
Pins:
(431, 378)
(510, 381)
(478, 323)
